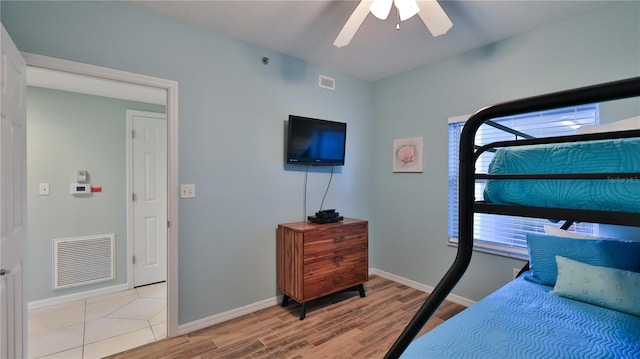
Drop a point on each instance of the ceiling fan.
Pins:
(429, 11)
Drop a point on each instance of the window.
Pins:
(506, 235)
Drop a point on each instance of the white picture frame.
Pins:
(408, 155)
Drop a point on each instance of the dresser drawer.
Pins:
(328, 261)
(326, 283)
(335, 238)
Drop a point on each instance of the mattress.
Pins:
(618, 193)
(522, 320)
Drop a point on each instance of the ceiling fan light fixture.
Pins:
(381, 8)
(406, 8)
(429, 11)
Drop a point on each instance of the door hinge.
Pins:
(133, 197)
(168, 224)
(133, 134)
(133, 259)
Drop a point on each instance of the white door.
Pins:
(149, 171)
(13, 173)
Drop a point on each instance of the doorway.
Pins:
(107, 78)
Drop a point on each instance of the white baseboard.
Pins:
(419, 286)
(250, 308)
(228, 315)
(77, 296)
(236, 312)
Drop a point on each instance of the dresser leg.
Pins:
(361, 290)
(285, 300)
(303, 311)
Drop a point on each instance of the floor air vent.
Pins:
(83, 260)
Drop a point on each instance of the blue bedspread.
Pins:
(614, 194)
(522, 320)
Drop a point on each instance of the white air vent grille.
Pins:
(327, 82)
(83, 260)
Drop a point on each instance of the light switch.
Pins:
(81, 176)
(187, 191)
(43, 190)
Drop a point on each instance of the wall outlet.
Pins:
(187, 191)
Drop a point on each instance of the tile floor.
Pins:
(99, 326)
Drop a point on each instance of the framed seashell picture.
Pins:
(407, 155)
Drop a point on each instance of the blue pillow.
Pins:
(612, 253)
(606, 287)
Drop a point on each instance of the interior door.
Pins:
(13, 172)
(149, 196)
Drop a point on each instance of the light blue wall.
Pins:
(232, 110)
(409, 223)
(69, 131)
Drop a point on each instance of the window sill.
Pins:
(495, 249)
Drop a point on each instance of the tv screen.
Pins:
(315, 142)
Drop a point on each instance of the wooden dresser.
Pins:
(315, 260)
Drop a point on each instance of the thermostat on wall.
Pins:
(80, 188)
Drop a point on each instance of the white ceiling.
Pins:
(306, 29)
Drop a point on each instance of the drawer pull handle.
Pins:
(338, 259)
(339, 239)
(338, 280)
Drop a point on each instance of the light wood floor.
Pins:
(340, 326)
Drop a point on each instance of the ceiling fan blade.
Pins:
(353, 23)
(434, 17)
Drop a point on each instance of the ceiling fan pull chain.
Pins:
(398, 20)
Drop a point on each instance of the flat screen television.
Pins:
(315, 142)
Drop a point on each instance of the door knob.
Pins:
(4, 271)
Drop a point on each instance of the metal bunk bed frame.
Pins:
(467, 205)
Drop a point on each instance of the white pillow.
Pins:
(627, 124)
(553, 231)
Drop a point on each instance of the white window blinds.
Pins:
(506, 235)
